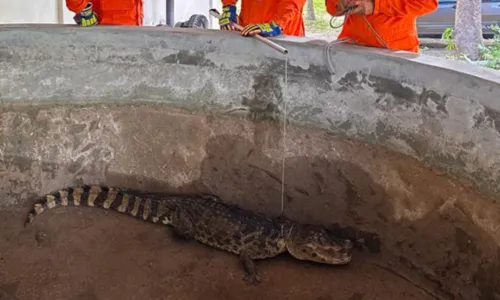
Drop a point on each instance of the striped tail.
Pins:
(103, 197)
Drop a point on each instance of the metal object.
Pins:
(170, 12)
(213, 12)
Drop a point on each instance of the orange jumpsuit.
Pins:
(286, 13)
(394, 21)
(112, 12)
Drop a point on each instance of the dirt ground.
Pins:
(89, 254)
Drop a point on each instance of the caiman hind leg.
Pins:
(250, 269)
(183, 225)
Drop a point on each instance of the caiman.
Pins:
(209, 220)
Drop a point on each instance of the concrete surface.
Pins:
(422, 106)
(401, 145)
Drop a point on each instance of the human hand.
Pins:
(228, 18)
(87, 17)
(341, 5)
(362, 7)
(264, 29)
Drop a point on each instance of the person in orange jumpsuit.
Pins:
(382, 23)
(264, 17)
(107, 12)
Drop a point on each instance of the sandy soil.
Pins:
(89, 254)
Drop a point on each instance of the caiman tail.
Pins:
(102, 197)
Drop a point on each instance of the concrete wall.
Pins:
(423, 106)
(189, 110)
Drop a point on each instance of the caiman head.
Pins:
(314, 243)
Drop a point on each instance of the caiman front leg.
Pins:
(251, 275)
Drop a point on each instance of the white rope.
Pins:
(285, 95)
(330, 44)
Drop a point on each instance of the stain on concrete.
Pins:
(88, 147)
(6, 55)
(489, 117)
(143, 90)
(298, 74)
(439, 100)
(23, 163)
(185, 57)
(265, 94)
(403, 95)
(468, 145)
(305, 112)
(446, 160)
(77, 128)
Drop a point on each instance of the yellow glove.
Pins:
(87, 17)
(264, 29)
(228, 17)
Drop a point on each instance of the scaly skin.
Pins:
(212, 222)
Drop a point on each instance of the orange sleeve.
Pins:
(331, 6)
(400, 8)
(229, 2)
(76, 6)
(288, 11)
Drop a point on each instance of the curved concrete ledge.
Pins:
(445, 113)
(145, 108)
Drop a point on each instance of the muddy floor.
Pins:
(85, 253)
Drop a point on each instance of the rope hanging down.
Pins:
(347, 13)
